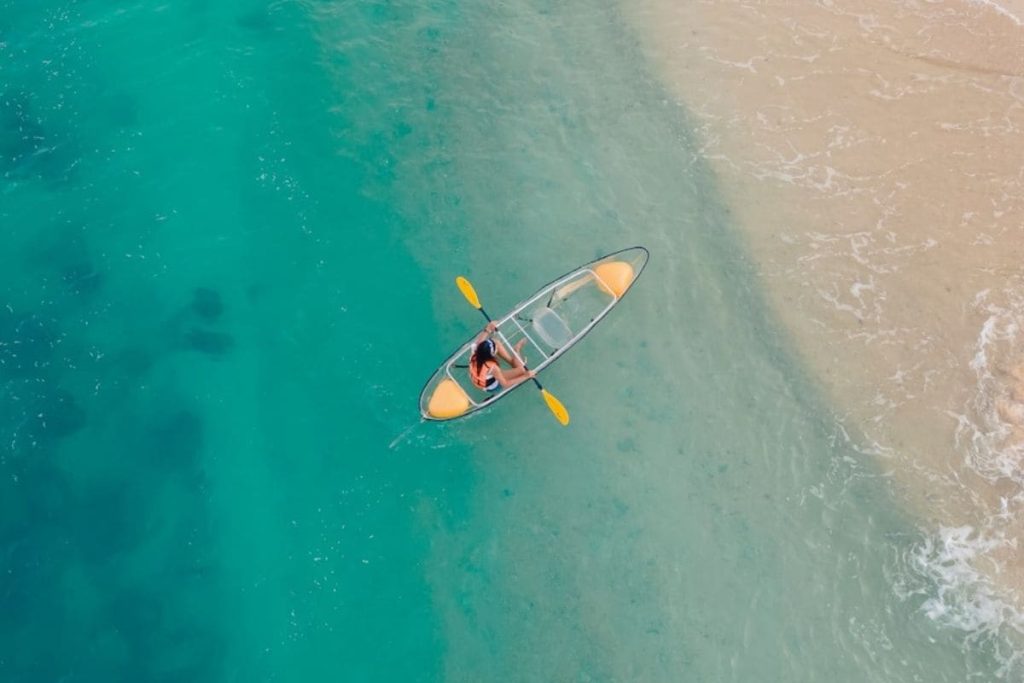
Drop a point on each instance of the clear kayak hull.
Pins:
(552, 321)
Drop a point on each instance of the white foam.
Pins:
(1000, 8)
(963, 597)
(956, 569)
(943, 568)
(982, 435)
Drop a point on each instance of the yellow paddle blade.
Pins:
(561, 414)
(467, 291)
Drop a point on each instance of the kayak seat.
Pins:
(550, 327)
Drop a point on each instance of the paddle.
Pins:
(556, 407)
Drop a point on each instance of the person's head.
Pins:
(484, 353)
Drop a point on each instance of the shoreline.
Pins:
(871, 158)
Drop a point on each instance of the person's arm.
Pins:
(486, 332)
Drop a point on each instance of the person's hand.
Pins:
(490, 327)
(531, 373)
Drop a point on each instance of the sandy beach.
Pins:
(872, 154)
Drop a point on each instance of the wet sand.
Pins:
(873, 156)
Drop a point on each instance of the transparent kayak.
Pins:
(551, 321)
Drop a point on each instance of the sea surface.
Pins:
(230, 232)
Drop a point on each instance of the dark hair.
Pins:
(483, 353)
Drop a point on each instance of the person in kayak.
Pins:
(484, 368)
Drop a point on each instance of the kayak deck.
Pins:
(551, 321)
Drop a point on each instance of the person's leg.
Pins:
(501, 352)
(519, 359)
(513, 361)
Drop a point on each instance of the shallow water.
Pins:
(232, 233)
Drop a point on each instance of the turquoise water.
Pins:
(231, 231)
